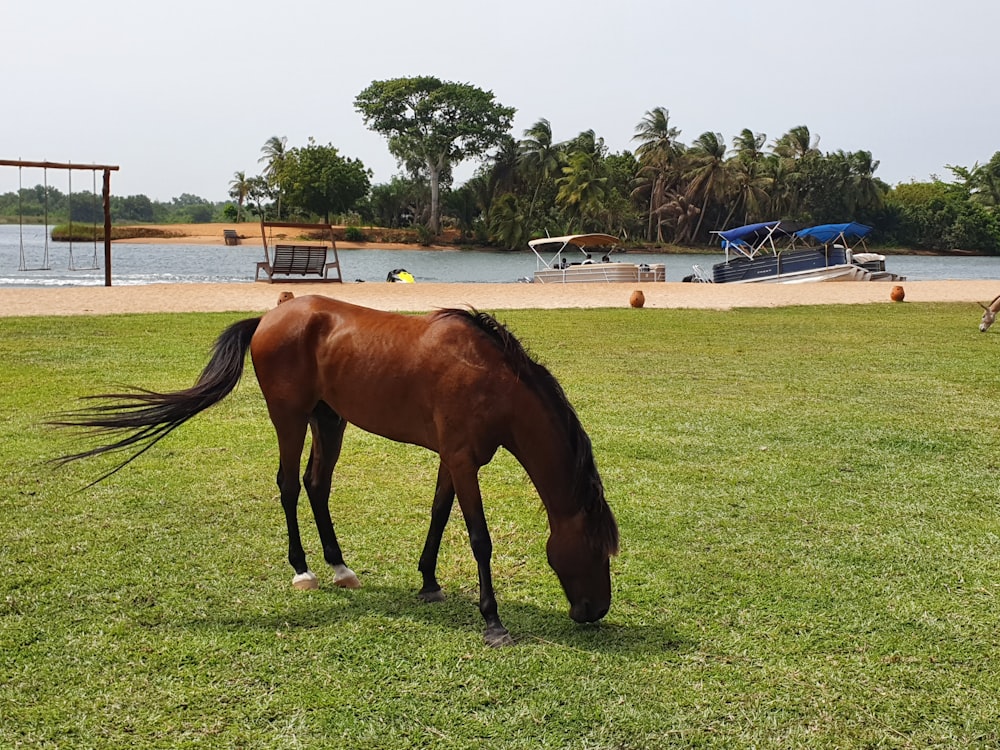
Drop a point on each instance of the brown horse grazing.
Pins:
(454, 381)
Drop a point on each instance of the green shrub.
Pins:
(354, 234)
(424, 235)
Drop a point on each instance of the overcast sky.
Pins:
(182, 95)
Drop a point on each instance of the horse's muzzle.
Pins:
(586, 611)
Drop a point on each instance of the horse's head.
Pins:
(987, 320)
(579, 551)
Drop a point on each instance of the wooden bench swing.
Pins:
(298, 261)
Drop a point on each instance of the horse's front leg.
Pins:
(470, 499)
(444, 499)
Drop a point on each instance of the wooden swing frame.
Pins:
(107, 169)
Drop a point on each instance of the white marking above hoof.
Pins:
(305, 581)
(345, 577)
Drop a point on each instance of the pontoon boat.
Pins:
(587, 257)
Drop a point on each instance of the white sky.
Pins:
(183, 94)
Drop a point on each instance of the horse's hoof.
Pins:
(437, 595)
(345, 578)
(498, 638)
(305, 581)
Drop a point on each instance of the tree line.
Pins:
(665, 191)
(41, 203)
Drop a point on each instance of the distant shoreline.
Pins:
(249, 234)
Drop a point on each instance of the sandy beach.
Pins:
(260, 296)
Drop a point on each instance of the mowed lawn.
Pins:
(808, 504)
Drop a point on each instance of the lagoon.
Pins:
(151, 264)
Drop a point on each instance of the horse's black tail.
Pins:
(142, 417)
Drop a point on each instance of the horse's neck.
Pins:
(995, 306)
(541, 448)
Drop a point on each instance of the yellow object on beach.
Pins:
(401, 275)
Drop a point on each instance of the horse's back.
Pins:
(401, 376)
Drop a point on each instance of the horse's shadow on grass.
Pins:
(527, 622)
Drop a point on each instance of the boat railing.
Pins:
(700, 275)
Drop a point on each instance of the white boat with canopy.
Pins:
(587, 258)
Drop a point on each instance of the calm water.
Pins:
(149, 264)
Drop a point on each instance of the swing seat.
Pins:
(297, 260)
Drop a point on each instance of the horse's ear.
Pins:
(982, 305)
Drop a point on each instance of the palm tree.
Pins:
(989, 181)
(239, 188)
(707, 173)
(797, 143)
(588, 142)
(541, 158)
(680, 212)
(507, 225)
(657, 153)
(982, 181)
(748, 146)
(482, 195)
(866, 190)
(750, 182)
(462, 204)
(793, 155)
(751, 191)
(784, 194)
(274, 153)
(504, 171)
(583, 186)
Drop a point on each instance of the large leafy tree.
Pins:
(321, 181)
(435, 122)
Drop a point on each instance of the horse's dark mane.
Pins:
(587, 487)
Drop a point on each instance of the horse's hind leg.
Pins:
(444, 499)
(291, 438)
(328, 437)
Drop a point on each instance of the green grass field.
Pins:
(810, 550)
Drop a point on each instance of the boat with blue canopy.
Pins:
(787, 253)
